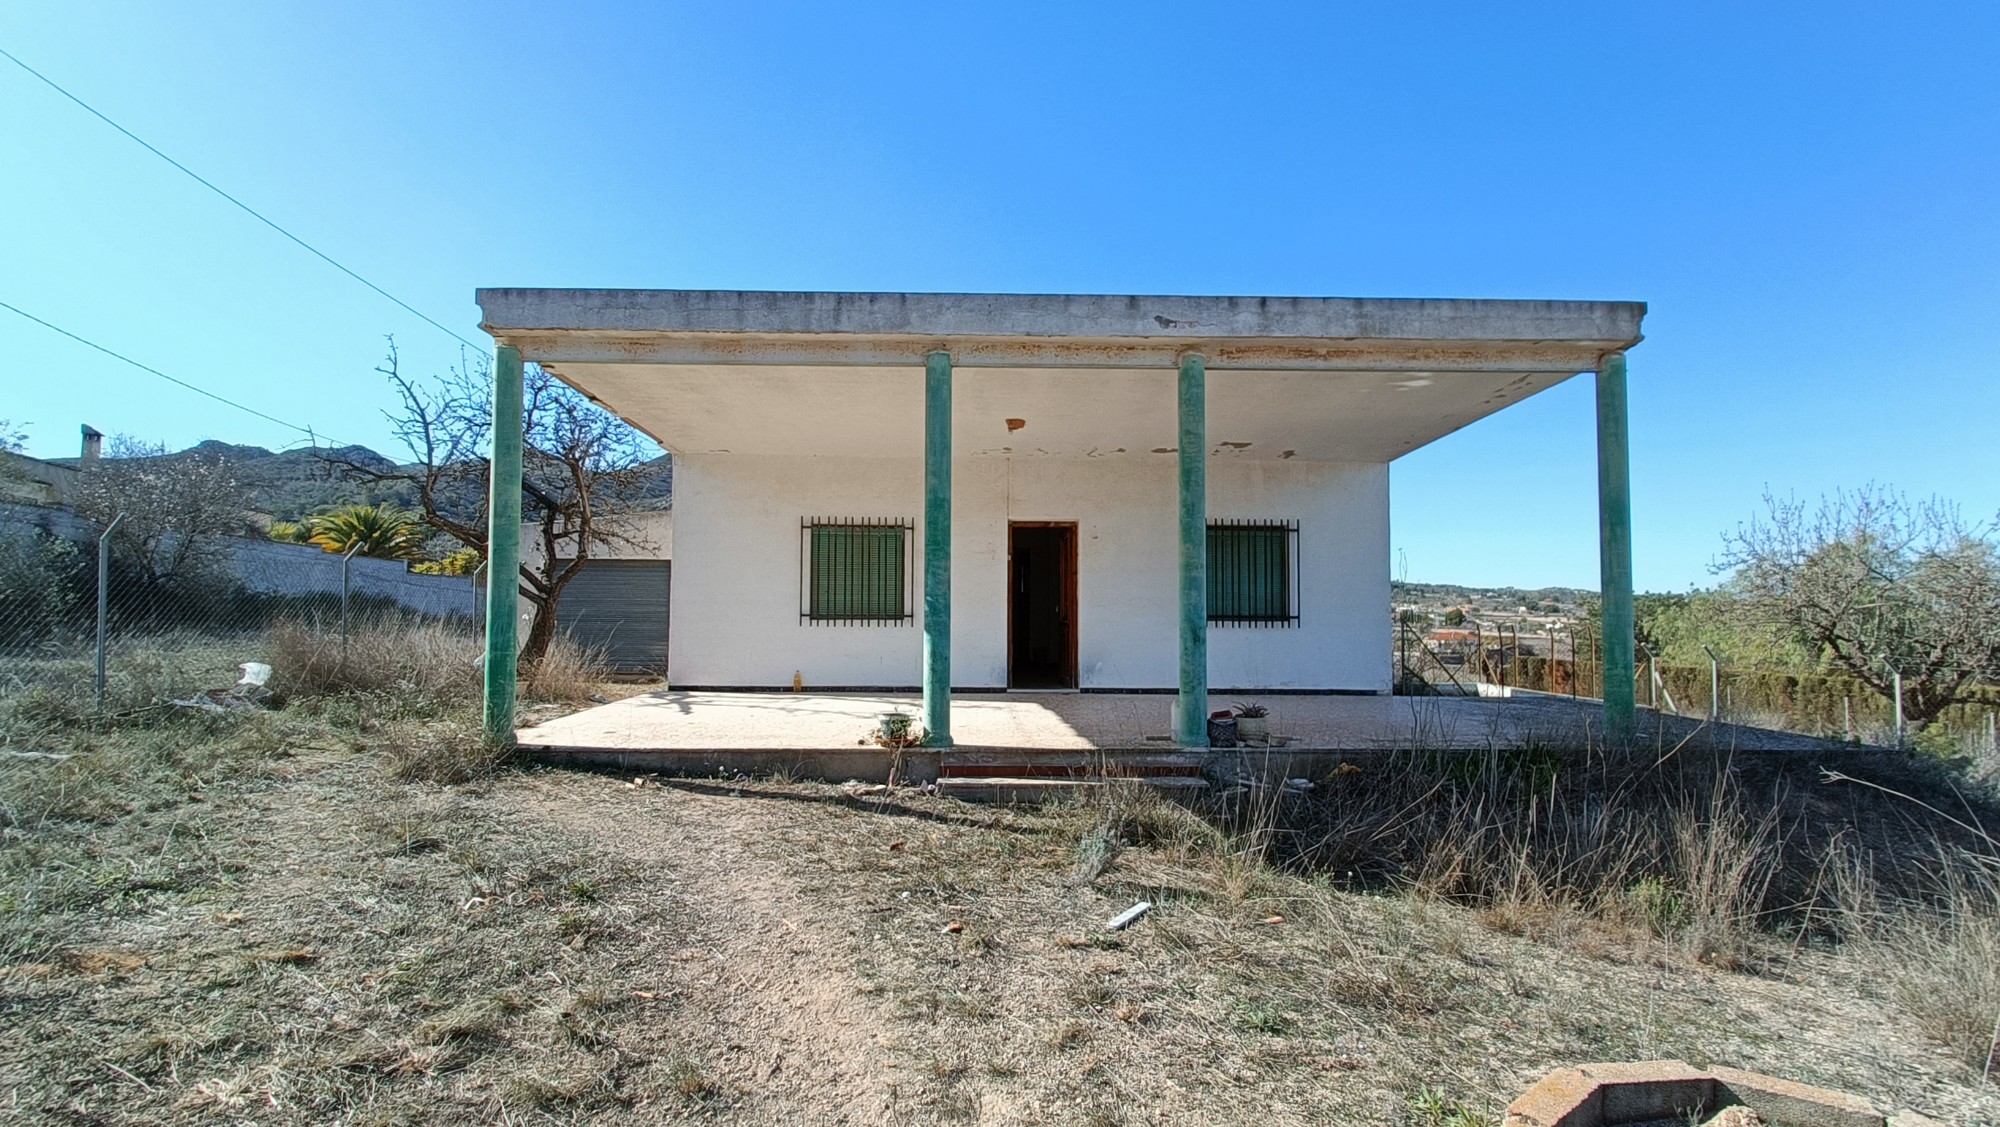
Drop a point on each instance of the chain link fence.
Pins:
(106, 619)
(1569, 661)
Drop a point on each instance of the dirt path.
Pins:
(796, 1039)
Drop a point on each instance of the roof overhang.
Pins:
(1347, 379)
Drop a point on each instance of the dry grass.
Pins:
(569, 673)
(289, 917)
(1257, 994)
(1942, 965)
(248, 919)
(418, 662)
(440, 751)
(1710, 850)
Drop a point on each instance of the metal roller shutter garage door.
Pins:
(620, 606)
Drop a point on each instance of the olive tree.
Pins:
(1878, 585)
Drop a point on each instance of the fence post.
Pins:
(1403, 643)
(1896, 679)
(477, 600)
(1714, 685)
(1549, 666)
(104, 601)
(344, 561)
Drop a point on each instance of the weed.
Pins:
(691, 1082)
(440, 751)
(1094, 853)
(1265, 1017)
(1431, 1107)
(413, 664)
(567, 674)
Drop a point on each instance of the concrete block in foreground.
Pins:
(1795, 1104)
(1615, 1094)
(1649, 1090)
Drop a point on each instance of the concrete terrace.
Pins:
(690, 730)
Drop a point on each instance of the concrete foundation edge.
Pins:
(1606, 1095)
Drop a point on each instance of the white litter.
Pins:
(1129, 916)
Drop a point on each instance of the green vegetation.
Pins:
(290, 532)
(464, 561)
(381, 531)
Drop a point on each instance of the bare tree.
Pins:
(13, 441)
(580, 465)
(1877, 583)
(175, 508)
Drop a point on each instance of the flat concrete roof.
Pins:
(1319, 378)
(1057, 330)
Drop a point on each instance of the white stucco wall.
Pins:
(737, 561)
(641, 536)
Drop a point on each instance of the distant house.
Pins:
(33, 481)
(982, 492)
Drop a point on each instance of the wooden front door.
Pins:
(1041, 605)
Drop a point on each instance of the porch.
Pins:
(1037, 490)
(828, 735)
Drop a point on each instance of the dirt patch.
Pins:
(783, 1017)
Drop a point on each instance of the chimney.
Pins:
(93, 444)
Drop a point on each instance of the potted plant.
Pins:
(1253, 722)
(895, 727)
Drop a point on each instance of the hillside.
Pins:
(1552, 600)
(291, 484)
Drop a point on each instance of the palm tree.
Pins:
(382, 531)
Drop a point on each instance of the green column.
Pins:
(1614, 539)
(937, 549)
(503, 546)
(1191, 707)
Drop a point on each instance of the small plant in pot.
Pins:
(1253, 722)
(895, 728)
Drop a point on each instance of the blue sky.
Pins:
(1804, 193)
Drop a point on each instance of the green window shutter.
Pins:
(857, 572)
(1249, 573)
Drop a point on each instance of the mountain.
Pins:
(292, 484)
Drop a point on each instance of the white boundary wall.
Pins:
(736, 572)
(270, 568)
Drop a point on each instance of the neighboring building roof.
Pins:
(1336, 379)
(34, 480)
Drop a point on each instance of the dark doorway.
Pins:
(1041, 605)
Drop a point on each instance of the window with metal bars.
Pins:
(855, 571)
(1253, 572)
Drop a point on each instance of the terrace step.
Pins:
(1021, 763)
(1017, 790)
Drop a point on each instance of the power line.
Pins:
(307, 431)
(251, 211)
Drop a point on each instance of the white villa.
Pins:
(986, 492)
